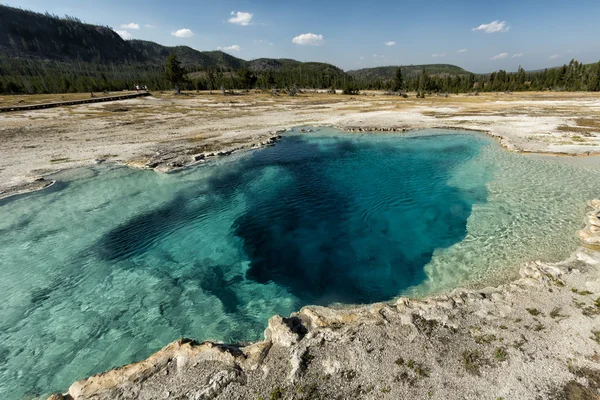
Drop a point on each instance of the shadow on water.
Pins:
(328, 232)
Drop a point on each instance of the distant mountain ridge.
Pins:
(156, 54)
(32, 35)
(388, 72)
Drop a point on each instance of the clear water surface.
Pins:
(111, 263)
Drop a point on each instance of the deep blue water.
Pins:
(344, 220)
(111, 264)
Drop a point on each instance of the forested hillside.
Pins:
(43, 53)
(388, 72)
(33, 35)
(156, 54)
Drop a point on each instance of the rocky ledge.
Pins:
(175, 158)
(37, 183)
(535, 338)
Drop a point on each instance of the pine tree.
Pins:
(174, 73)
(595, 79)
(398, 80)
(521, 76)
(247, 79)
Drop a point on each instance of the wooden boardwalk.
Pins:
(72, 102)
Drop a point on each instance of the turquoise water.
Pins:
(110, 264)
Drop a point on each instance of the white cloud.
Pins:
(374, 55)
(493, 27)
(362, 58)
(517, 55)
(308, 39)
(263, 42)
(500, 56)
(124, 34)
(150, 26)
(462, 51)
(233, 47)
(390, 43)
(131, 25)
(183, 33)
(240, 18)
(554, 56)
(438, 55)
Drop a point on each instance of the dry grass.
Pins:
(589, 123)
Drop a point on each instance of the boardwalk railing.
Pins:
(72, 102)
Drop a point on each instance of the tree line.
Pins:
(572, 77)
(31, 76)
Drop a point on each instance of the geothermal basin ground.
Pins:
(121, 261)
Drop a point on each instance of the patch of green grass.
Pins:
(595, 336)
(578, 304)
(539, 327)
(309, 392)
(471, 361)
(519, 343)
(485, 339)
(555, 313)
(593, 310)
(555, 280)
(276, 394)
(421, 371)
(581, 292)
(360, 390)
(534, 311)
(405, 378)
(386, 389)
(503, 327)
(427, 326)
(500, 354)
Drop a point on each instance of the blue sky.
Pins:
(353, 34)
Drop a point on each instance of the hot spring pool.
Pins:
(111, 263)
